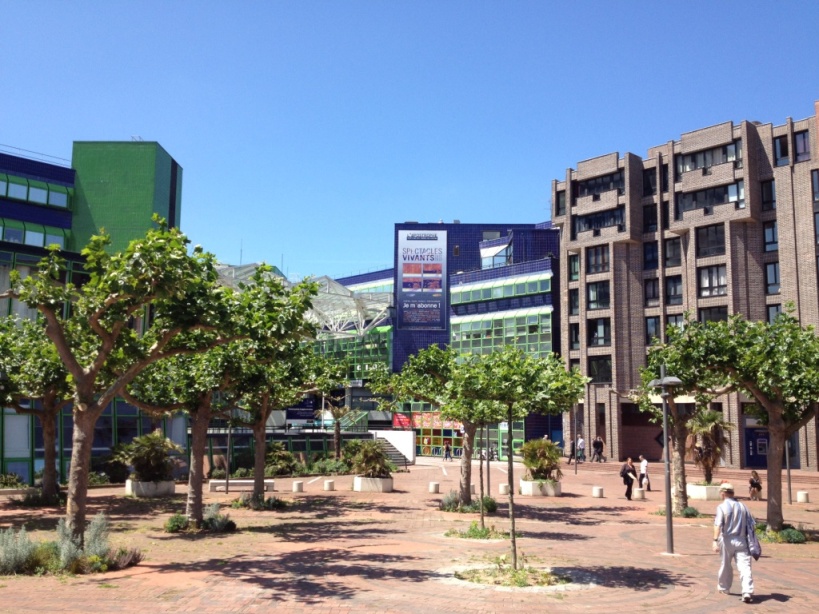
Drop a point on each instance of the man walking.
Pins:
(581, 449)
(731, 542)
(597, 450)
(644, 482)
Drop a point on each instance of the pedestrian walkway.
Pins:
(343, 551)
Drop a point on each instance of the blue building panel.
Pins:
(33, 169)
(37, 214)
(363, 278)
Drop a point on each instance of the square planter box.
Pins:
(361, 484)
(540, 488)
(699, 492)
(149, 489)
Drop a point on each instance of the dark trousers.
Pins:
(629, 484)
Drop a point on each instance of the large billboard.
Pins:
(421, 287)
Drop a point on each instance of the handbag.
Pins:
(754, 547)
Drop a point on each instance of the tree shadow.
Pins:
(312, 532)
(554, 535)
(579, 516)
(320, 507)
(635, 578)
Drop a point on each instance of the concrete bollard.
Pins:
(597, 492)
(638, 494)
(802, 496)
(329, 485)
(434, 487)
(298, 486)
(503, 489)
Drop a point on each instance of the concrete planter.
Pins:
(361, 484)
(700, 492)
(149, 489)
(540, 488)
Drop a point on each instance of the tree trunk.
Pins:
(200, 420)
(776, 449)
(678, 437)
(480, 476)
(337, 438)
(488, 465)
(465, 496)
(49, 423)
(510, 468)
(85, 418)
(259, 456)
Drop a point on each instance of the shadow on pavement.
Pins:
(634, 578)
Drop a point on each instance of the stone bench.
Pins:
(237, 485)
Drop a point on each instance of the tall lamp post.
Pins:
(664, 383)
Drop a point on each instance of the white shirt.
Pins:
(644, 466)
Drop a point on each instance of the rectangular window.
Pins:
(772, 278)
(674, 290)
(652, 292)
(711, 240)
(713, 280)
(600, 369)
(18, 190)
(769, 195)
(664, 177)
(597, 295)
(709, 198)
(707, 158)
(677, 320)
(574, 302)
(601, 219)
(650, 218)
(713, 314)
(672, 252)
(801, 146)
(773, 312)
(597, 259)
(649, 182)
(574, 363)
(574, 267)
(781, 154)
(814, 180)
(560, 202)
(598, 185)
(599, 332)
(653, 332)
(650, 256)
(771, 236)
(574, 336)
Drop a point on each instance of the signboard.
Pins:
(306, 410)
(421, 279)
(401, 421)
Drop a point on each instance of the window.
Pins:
(599, 331)
(814, 179)
(18, 190)
(816, 227)
(560, 202)
(574, 363)
(664, 177)
(801, 146)
(677, 320)
(770, 236)
(488, 235)
(713, 280)
(574, 336)
(713, 314)
(596, 221)
(709, 198)
(769, 195)
(574, 267)
(781, 151)
(600, 369)
(650, 218)
(574, 302)
(710, 157)
(650, 256)
(710, 240)
(674, 290)
(598, 185)
(672, 252)
(649, 182)
(597, 259)
(597, 295)
(653, 332)
(773, 312)
(772, 278)
(13, 235)
(652, 292)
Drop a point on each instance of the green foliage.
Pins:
(242, 472)
(279, 460)
(258, 503)
(36, 498)
(475, 531)
(69, 551)
(219, 474)
(542, 460)
(149, 456)
(451, 503)
(176, 523)
(16, 551)
(330, 466)
(691, 512)
(792, 536)
(704, 427)
(350, 449)
(11, 480)
(502, 573)
(371, 461)
(788, 534)
(98, 478)
(217, 522)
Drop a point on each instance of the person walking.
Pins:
(571, 452)
(597, 450)
(629, 474)
(447, 451)
(581, 449)
(644, 481)
(731, 542)
(754, 487)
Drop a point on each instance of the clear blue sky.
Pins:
(307, 129)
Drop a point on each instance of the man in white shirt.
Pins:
(581, 449)
(644, 473)
(730, 541)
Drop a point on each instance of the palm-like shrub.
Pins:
(371, 461)
(149, 455)
(541, 459)
(702, 445)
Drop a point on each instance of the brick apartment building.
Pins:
(724, 220)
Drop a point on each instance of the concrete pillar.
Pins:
(298, 486)
(329, 485)
(503, 489)
(434, 487)
(638, 494)
(597, 492)
(802, 496)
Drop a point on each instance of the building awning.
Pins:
(489, 252)
(499, 315)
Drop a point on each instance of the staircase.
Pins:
(355, 421)
(394, 454)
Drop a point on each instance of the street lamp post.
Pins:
(664, 383)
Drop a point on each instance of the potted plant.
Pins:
(149, 456)
(372, 467)
(542, 461)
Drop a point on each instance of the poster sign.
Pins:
(306, 410)
(421, 279)
(401, 421)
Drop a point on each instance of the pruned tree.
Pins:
(704, 441)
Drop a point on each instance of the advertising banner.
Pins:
(421, 279)
(306, 410)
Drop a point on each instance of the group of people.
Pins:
(630, 475)
(578, 452)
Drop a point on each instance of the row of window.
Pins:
(707, 199)
(597, 297)
(598, 333)
(507, 290)
(709, 157)
(532, 333)
(801, 148)
(38, 192)
(596, 221)
(27, 233)
(650, 180)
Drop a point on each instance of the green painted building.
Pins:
(119, 185)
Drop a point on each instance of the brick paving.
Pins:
(341, 551)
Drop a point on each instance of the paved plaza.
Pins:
(343, 551)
